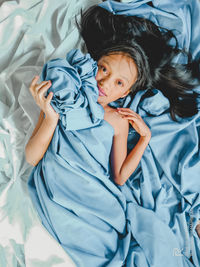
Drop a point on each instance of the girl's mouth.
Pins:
(101, 92)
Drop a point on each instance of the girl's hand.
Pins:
(136, 121)
(37, 91)
(198, 228)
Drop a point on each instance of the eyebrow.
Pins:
(109, 66)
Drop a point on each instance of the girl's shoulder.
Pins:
(120, 125)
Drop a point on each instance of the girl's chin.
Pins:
(100, 101)
(99, 98)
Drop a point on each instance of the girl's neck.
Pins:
(107, 108)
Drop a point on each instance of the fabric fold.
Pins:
(150, 220)
(75, 90)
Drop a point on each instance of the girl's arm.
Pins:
(40, 120)
(119, 148)
(122, 165)
(40, 139)
(44, 130)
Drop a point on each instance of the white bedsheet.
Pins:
(31, 33)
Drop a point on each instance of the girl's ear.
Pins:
(127, 92)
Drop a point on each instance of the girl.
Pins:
(117, 72)
(133, 54)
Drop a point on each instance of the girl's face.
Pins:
(116, 74)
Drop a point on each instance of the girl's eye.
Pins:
(119, 83)
(103, 69)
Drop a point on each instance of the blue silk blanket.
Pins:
(150, 220)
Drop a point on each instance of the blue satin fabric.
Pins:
(76, 73)
(151, 220)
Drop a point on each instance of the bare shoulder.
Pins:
(120, 125)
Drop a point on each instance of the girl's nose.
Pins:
(101, 83)
(104, 81)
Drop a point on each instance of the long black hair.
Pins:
(149, 46)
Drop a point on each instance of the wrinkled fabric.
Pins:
(77, 106)
(167, 180)
(32, 32)
(150, 220)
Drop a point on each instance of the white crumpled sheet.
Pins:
(31, 33)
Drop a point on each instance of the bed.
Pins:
(32, 33)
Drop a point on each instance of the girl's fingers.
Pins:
(44, 88)
(33, 82)
(40, 85)
(129, 117)
(127, 110)
(127, 113)
(49, 97)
